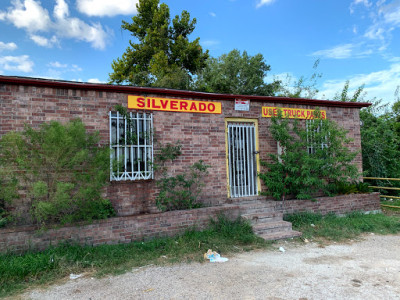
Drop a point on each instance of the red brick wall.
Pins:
(133, 228)
(202, 135)
(338, 205)
(114, 230)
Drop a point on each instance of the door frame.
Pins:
(257, 157)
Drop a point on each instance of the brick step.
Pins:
(263, 217)
(279, 235)
(271, 227)
(257, 207)
(247, 199)
(266, 218)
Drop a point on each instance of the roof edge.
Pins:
(170, 92)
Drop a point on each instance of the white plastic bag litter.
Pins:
(214, 256)
(74, 276)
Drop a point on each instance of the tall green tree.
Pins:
(236, 73)
(380, 134)
(161, 53)
(380, 144)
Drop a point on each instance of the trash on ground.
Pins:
(312, 225)
(74, 276)
(213, 256)
(282, 249)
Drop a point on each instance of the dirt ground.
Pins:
(366, 269)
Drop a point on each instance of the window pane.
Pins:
(131, 146)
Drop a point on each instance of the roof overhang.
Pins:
(40, 82)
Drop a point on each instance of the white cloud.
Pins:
(346, 51)
(57, 64)
(338, 52)
(16, 63)
(76, 68)
(209, 43)
(380, 84)
(43, 41)
(381, 19)
(8, 46)
(264, 2)
(76, 29)
(28, 15)
(385, 17)
(394, 59)
(63, 68)
(375, 32)
(101, 8)
(213, 14)
(95, 80)
(61, 10)
(366, 3)
(33, 18)
(390, 12)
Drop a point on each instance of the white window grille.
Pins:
(242, 161)
(131, 146)
(312, 131)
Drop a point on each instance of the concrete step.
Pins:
(263, 217)
(271, 227)
(279, 235)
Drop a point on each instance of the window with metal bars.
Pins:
(314, 139)
(131, 146)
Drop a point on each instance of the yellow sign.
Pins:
(178, 105)
(291, 113)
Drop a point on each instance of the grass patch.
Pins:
(393, 202)
(18, 272)
(339, 228)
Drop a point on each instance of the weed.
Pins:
(338, 228)
(304, 218)
(17, 272)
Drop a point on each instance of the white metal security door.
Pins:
(242, 162)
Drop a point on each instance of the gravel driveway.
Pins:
(369, 269)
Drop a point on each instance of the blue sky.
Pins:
(356, 40)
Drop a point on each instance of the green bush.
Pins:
(4, 219)
(181, 191)
(300, 172)
(8, 191)
(345, 188)
(62, 169)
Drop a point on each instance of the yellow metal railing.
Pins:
(386, 188)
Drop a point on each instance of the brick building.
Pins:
(228, 132)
